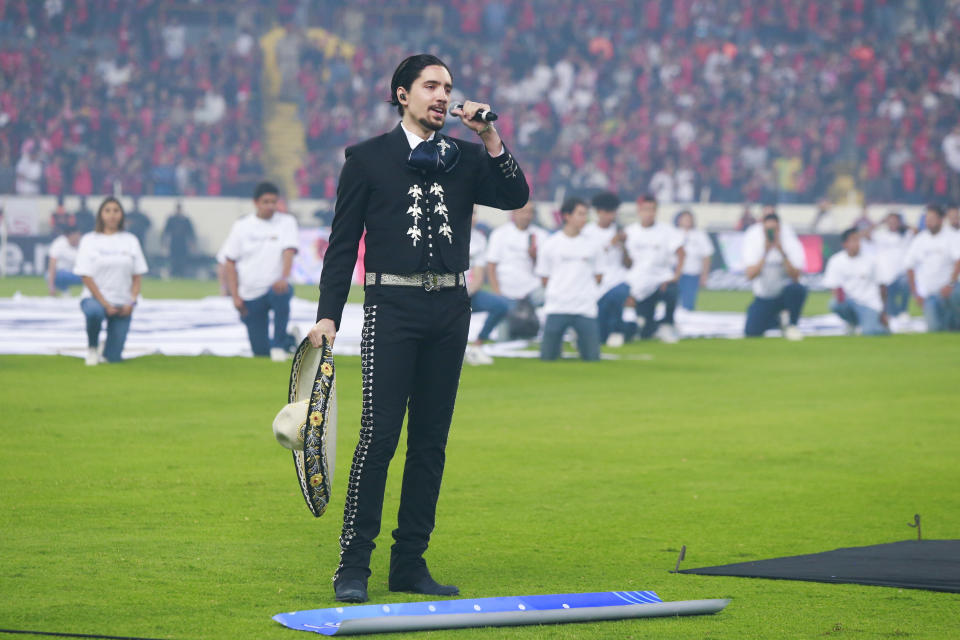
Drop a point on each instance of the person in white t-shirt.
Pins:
(858, 295)
(933, 265)
(656, 258)
(614, 289)
(890, 241)
(774, 258)
(568, 264)
(511, 256)
(62, 256)
(258, 257)
(111, 263)
(698, 253)
(481, 300)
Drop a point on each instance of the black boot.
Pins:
(412, 576)
(351, 586)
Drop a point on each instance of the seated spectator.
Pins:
(495, 306)
(614, 290)
(891, 241)
(698, 253)
(568, 264)
(655, 255)
(858, 295)
(933, 265)
(63, 256)
(774, 258)
(512, 254)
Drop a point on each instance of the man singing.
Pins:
(413, 191)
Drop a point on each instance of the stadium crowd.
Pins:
(733, 100)
(110, 96)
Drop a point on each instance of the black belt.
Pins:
(429, 281)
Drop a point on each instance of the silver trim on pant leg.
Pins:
(366, 433)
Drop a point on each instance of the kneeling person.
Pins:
(259, 258)
(774, 257)
(859, 298)
(656, 256)
(567, 263)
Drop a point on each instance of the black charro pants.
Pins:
(411, 356)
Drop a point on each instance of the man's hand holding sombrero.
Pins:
(325, 328)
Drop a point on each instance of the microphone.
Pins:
(481, 116)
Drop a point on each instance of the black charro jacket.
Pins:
(402, 210)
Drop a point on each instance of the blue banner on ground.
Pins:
(447, 613)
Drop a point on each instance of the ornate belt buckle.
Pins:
(430, 281)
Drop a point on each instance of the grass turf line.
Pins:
(149, 498)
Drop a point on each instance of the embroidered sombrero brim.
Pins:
(308, 424)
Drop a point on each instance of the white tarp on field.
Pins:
(55, 326)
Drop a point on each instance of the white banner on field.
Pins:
(211, 326)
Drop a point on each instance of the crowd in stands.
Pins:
(110, 96)
(731, 100)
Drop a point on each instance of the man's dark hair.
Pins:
(846, 234)
(772, 216)
(606, 201)
(408, 71)
(264, 188)
(935, 208)
(647, 197)
(570, 204)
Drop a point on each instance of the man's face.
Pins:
(577, 218)
(647, 212)
(852, 244)
(266, 205)
(685, 221)
(523, 217)
(893, 222)
(426, 101)
(934, 222)
(606, 218)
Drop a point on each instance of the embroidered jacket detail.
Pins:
(440, 209)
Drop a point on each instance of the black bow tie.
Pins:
(439, 154)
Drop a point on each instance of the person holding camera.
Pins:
(774, 259)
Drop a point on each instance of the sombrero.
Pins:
(308, 424)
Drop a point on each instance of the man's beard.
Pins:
(430, 125)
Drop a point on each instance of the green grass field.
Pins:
(149, 498)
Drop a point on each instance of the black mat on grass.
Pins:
(933, 565)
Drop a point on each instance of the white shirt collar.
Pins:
(413, 139)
